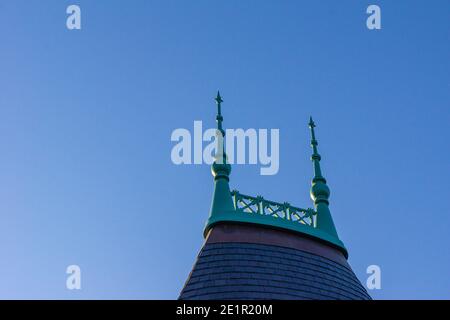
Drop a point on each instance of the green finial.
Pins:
(315, 157)
(218, 98)
(219, 117)
(220, 154)
(222, 202)
(319, 190)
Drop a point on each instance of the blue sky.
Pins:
(86, 117)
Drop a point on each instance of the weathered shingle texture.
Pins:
(239, 270)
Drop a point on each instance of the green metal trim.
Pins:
(237, 207)
(320, 192)
(229, 206)
(264, 207)
(280, 223)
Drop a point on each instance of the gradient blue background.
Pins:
(86, 117)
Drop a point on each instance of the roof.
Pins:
(261, 249)
(240, 261)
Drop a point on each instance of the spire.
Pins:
(219, 117)
(319, 189)
(315, 157)
(220, 155)
(222, 202)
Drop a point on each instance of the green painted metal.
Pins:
(319, 189)
(220, 169)
(269, 221)
(259, 205)
(233, 206)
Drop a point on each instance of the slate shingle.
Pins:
(261, 271)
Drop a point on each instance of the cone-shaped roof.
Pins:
(248, 261)
(261, 249)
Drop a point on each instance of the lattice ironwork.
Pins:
(259, 205)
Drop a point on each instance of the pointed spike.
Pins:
(218, 97)
(320, 192)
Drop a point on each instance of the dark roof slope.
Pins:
(242, 270)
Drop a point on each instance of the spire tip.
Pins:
(218, 97)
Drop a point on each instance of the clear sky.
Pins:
(86, 116)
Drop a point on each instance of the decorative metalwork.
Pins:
(259, 205)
